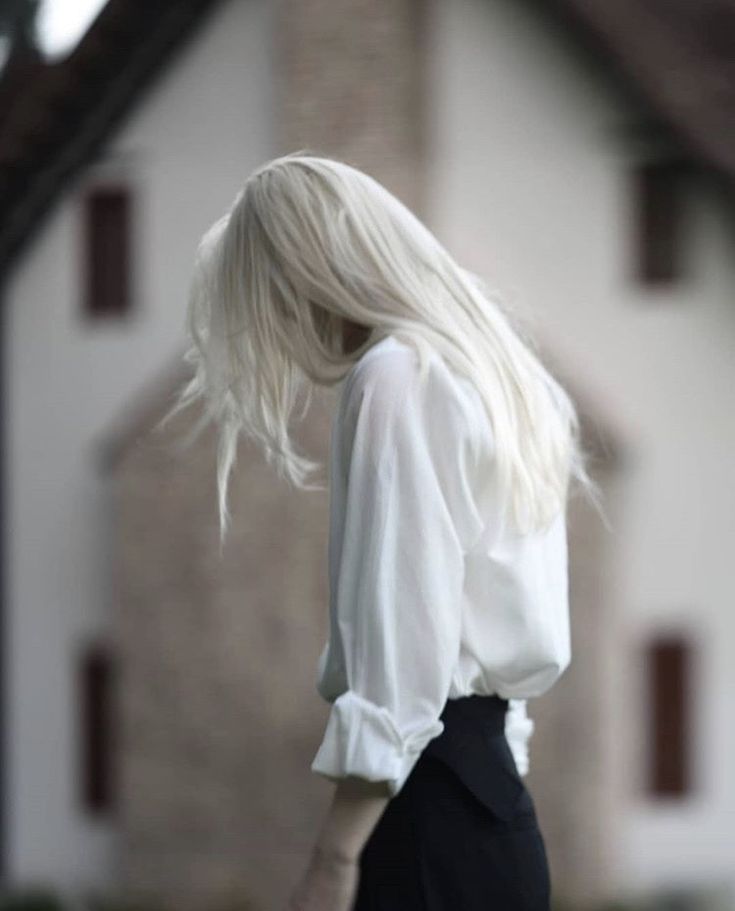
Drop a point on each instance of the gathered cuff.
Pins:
(363, 739)
(518, 730)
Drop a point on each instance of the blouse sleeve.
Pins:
(398, 580)
(518, 730)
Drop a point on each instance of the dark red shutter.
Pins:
(96, 679)
(669, 684)
(659, 217)
(108, 251)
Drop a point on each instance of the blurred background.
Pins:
(158, 710)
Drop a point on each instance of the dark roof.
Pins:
(678, 56)
(57, 116)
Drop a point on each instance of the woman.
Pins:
(451, 456)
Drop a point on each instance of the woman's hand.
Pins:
(329, 883)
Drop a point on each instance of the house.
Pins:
(159, 711)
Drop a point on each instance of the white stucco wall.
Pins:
(189, 144)
(529, 188)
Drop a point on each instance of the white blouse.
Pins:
(432, 597)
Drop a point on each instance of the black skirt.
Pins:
(462, 833)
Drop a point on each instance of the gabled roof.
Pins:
(678, 57)
(56, 117)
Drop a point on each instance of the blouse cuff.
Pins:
(518, 730)
(363, 739)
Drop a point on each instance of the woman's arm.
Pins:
(332, 877)
(357, 805)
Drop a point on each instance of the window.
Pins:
(658, 188)
(95, 702)
(107, 250)
(669, 684)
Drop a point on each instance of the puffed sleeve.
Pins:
(406, 516)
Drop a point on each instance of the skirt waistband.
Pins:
(489, 711)
(473, 745)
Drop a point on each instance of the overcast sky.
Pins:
(61, 23)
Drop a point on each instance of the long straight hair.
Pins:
(310, 241)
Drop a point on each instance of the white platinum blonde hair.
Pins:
(310, 241)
